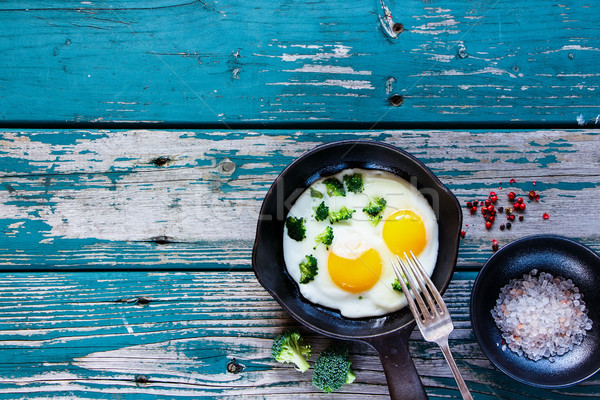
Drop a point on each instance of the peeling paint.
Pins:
(386, 21)
(572, 47)
(339, 51)
(389, 85)
(456, 72)
(328, 69)
(349, 84)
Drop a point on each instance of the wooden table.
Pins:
(138, 139)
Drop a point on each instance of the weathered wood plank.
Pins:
(84, 335)
(237, 61)
(190, 199)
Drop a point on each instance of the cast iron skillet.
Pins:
(388, 334)
(559, 256)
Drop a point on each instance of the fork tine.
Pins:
(424, 277)
(433, 310)
(411, 303)
(413, 288)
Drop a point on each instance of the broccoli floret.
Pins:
(295, 228)
(321, 212)
(332, 369)
(375, 220)
(326, 237)
(288, 347)
(354, 183)
(375, 209)
(397, 286)
(375, 206)
(341, 215)
(334, 187)
(315, 193)
(308, 269)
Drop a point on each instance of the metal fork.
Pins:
(432, 319)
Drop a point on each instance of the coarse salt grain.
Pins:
(541, 316)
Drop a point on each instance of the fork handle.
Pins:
(400, 372)
(462, 386)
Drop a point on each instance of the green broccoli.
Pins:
(326, 237)
(341, 215)
(354, 183)
(376, 220)
(375, 209)
(315, 193)
(332, 369)
(375, 206)
(308, 269)
(288, 347)
(334, 187)
(397, 286)
(321, 212)
(295, 228)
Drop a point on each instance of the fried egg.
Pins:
(354, 273)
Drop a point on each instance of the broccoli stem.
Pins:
(300, 361)
(350, 377)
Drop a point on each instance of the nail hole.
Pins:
(396, 100)
(234, 367)
(160, 161)
(227, 166)
(571, 56)
(515, 68)
(397, 27)
(141, 379)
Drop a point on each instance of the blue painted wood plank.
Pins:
(189, 199)
(84, 335)
(233, 61)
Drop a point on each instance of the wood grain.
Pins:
(231, 61)
(85, 335)
(190, 199)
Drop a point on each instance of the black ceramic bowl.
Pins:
(559, 256)
(388, 334)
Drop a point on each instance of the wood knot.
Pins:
(233, 367)
(396, 100)
(161, 161)
(141, 379)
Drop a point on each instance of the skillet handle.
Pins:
(400, 372)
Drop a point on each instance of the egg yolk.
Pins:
(355, 275)
(403, 231)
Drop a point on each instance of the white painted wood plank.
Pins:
(102, 188)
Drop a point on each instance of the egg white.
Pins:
(358, 231)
